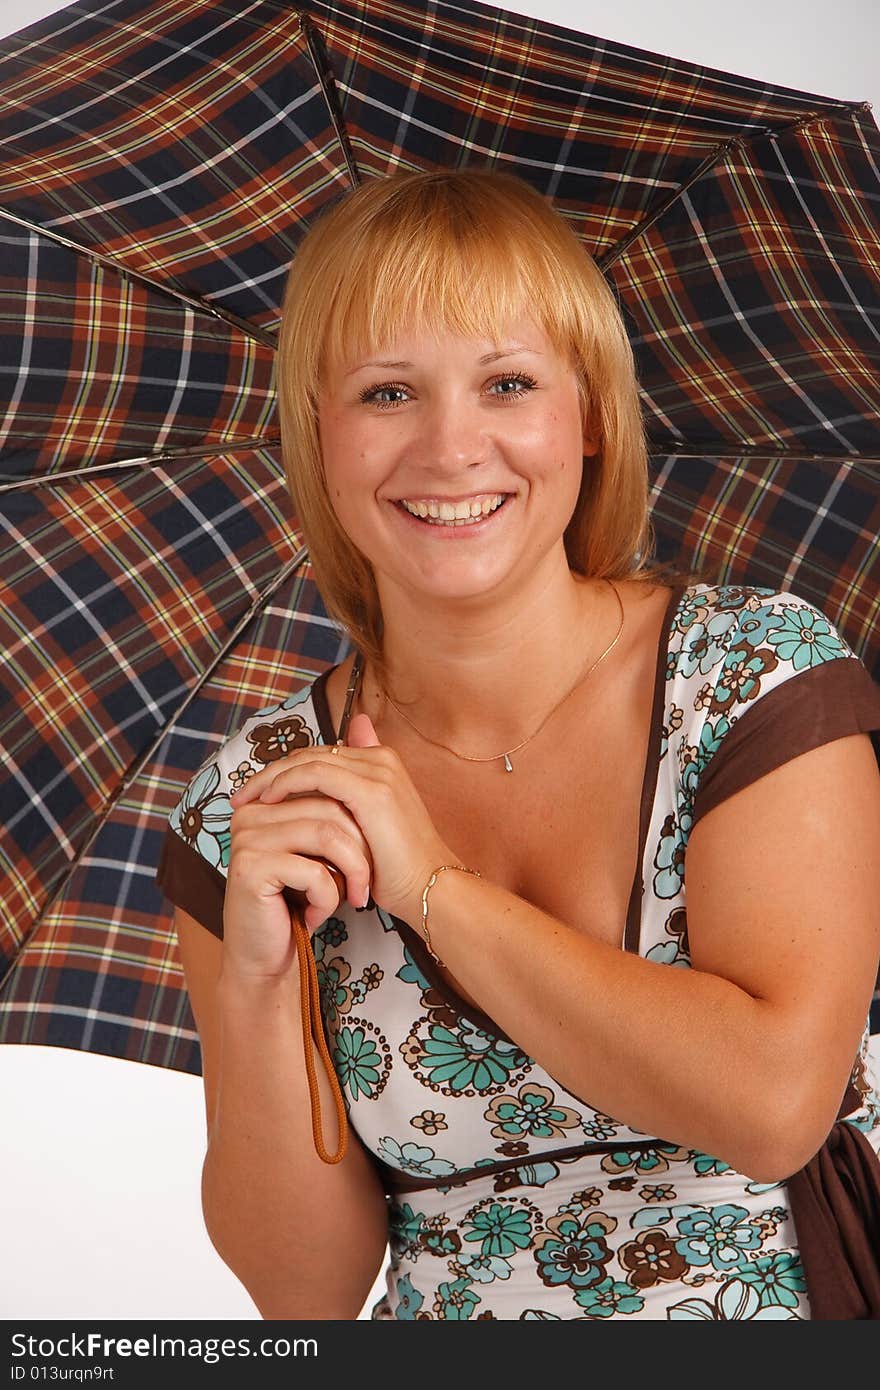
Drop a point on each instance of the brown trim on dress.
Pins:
(822, 703)
(633, 930)
(463, 1176)
(191, 882)
(321, 707)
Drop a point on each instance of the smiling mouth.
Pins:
(455, 521)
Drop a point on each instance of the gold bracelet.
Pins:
(430, 884)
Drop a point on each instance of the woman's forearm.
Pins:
(305, 1237)
(670, 1051)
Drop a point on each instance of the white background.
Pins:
(101, 1160)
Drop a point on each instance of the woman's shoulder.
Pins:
(755, 677)
(716, 626)
(202, 814)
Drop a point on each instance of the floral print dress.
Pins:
(508, 1196)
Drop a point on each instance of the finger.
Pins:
(322, 753)
(362, 733)
(327, 774)
(307, 805)
(313, 836)
(315, 893)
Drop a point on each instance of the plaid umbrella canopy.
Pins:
(160, 161)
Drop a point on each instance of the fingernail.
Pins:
(366, 897)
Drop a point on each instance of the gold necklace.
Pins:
(506, 755)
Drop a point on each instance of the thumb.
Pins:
(361, 733)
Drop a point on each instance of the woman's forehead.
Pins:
(402, 346)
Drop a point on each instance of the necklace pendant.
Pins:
(508, 764)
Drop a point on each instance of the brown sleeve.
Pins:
(820, 704)
(191, 882)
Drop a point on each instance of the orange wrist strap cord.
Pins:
(313, 1025)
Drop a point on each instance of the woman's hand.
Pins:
(274, 847)
(369, 785)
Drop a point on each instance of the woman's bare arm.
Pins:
(747, 1054)
(306, 1238)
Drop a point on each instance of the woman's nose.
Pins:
(452, 432)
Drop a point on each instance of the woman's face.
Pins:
(440, 418)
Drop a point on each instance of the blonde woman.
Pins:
(590, 848)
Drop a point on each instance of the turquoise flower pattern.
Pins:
(805, 638)
(465, 1060)
(508, 1195)
(704, 642)
(705, 1163)
(740, 679)
(411, 973)
(500, 1228)
(481, 1268)
(737, 1301)
(644, 1160)
(532, 1111)
(574, 1250)
(718, 1236)
(669, 857)
(778, 1277)
(456, 1300)
(409, 1300)
(610, 1297)
(202, 817)
(414, 1158)
(358, 1061)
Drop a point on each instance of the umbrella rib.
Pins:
(796, 456)
(220, 449)
(201, 306)
(714, 157)
(324, 73)
(298, 559)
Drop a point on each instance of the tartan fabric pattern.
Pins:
(753, 300)
(121, 696)
(159, 162)
(607, 131)
(97, 367)
(189, 142)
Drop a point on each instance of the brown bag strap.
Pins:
(835, 1205)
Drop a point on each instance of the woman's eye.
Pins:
(519, 380)
(370, 394)
(515, 386)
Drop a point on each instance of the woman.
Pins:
(574, 1090)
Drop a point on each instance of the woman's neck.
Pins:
(487, 681)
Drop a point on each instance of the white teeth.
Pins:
(455, 514)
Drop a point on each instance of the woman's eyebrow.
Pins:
(489, 357)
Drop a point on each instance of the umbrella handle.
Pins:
(312, 1022)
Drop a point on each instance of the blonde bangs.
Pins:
(423, 268)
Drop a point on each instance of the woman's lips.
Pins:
(472, 530)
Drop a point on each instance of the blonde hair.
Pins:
(471, 249)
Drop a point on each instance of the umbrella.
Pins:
(160, 162)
